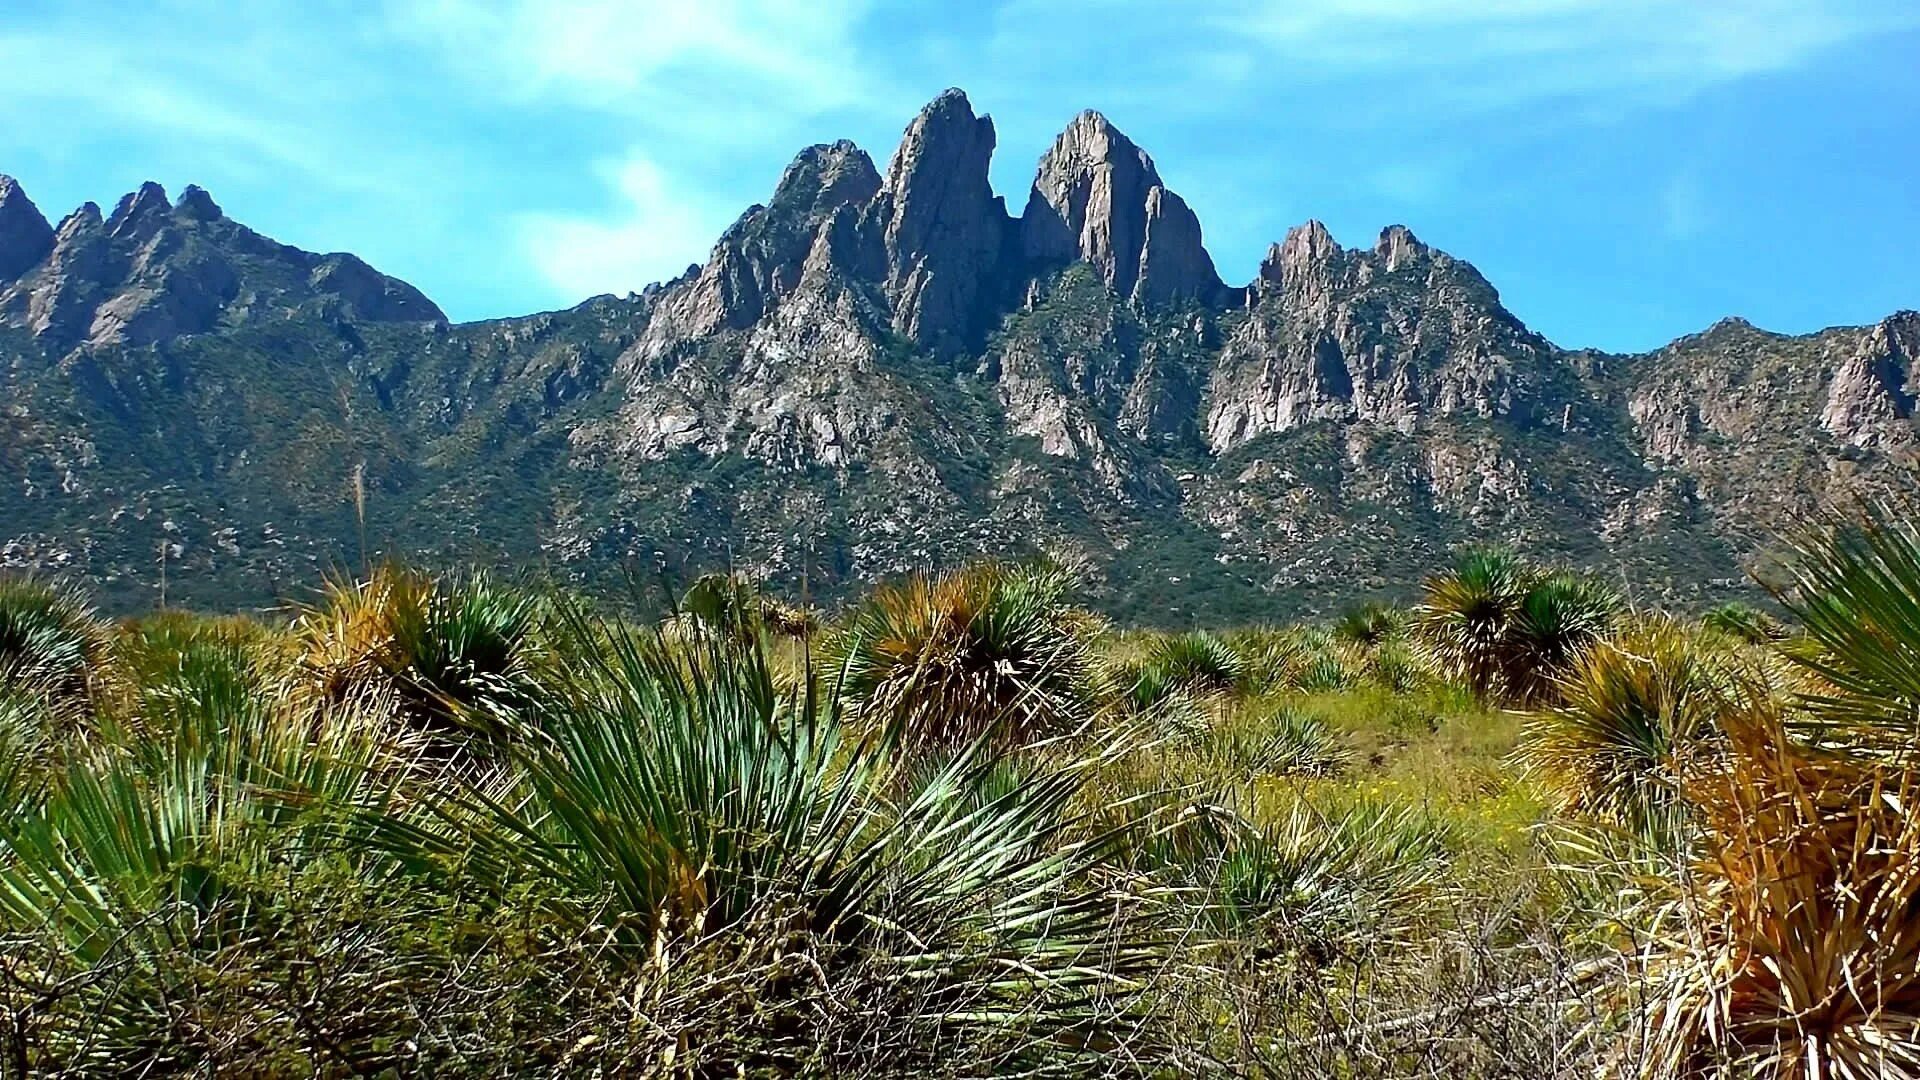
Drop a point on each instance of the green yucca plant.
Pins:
(1505, 628)
(158, 828)
(1370, 623)
(1269, 738)
(989, 649)
(50, 637)
(1742, 622)
(1629, 716)
(1196, 661)
(1855, 587)
(672, 796)
(1309, 882)
(451, 650)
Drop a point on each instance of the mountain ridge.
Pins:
(878, 371)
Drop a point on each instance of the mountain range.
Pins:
(881, 371)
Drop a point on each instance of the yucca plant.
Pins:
(1506, 628)
(1742, 622)
(986, 650)
(1560, 616)
(1307, 882)
(1794, 947)
(50, 637)
(1369, 623)
(1198, 662)
(162, 821)
(672, 798)
(1855, 587)
(452, 651)
(1629, 716)
(1269, 738)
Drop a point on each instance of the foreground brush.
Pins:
(1794, 949)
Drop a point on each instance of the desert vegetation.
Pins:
(453, 824)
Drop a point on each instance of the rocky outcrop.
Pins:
(759, 260)
(25, 236)
(1098, 197)
(1388, 335)
(1871, 395)
(940, 227)
(152, 270)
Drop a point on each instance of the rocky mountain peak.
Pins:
(140, 211)
(84, 218)
(825, 176)
(156, 269)
(1097, 197)
(1398, 247)
(195, 204)
(1306, 245)
(25, 236)
(761, 258)
(939, 223)
(1872, 391)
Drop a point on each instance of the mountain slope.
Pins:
(877, 372)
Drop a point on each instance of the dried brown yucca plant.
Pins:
(1792, 951)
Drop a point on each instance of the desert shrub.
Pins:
(1630, 714)
(986, 651)
(1790, 950)
(677, 802)
(731, 604)
(1505, 627)
(1743, 622)
(51, 641)
(1198, 662)
(1276, 738)
(1370, 623)
(451, 651)
(1308, 885)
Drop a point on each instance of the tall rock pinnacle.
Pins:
(25, 236)
(941, 226)
(1096, 196)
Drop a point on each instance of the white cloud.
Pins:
(657, 230)
(1415, 56)
(790, 55)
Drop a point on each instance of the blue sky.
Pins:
(1625, 171)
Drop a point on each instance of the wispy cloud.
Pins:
(1478, 54)
(791, 57)
(653, 229)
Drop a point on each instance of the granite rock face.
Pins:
(1388, 335)
(1097, 197)
(940, 226)
(873, 373)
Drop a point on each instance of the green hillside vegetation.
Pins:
(461, 823)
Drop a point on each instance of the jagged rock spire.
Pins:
(1096, 196)
(25, 236)
(139, 211)
(759, 259)
(195, 204)
(939, 224)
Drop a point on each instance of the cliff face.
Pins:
(877, 372)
